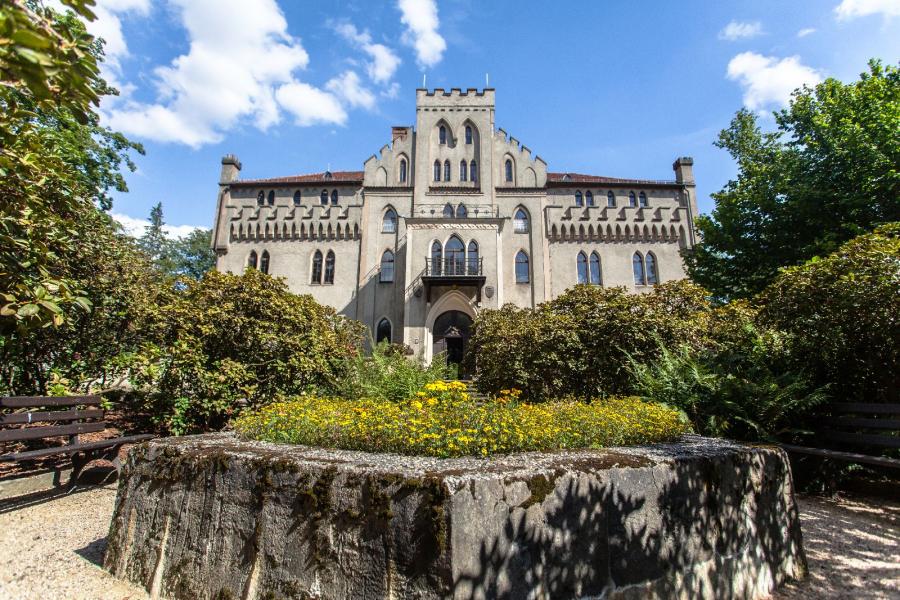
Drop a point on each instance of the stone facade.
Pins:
(480, 222)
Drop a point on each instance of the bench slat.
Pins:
(865, 439)
(880, 461)
(865, 407)
(58, 415)
(889, 424)
(34, 433)
(38, 401)
(75, 448)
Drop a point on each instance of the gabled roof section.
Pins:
(326, 177)
(562, 179)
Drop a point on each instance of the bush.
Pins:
(234, 339)
(841, 314)
(442, 421)
(388, 374)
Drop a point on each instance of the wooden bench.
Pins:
(39, 418)
(870, 428)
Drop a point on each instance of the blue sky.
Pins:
(617, 88)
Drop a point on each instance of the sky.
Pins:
(605, 87)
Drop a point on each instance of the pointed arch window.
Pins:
(589, 198)
(329, 267)
(264, 261)
(637, 265)
(631, 199)
(437, 170)
(455, 256)
(509, 171)
(448, 211)
(437, 255)
(323, 198)
(523, 273)
(472, 258)
(468, 134)
(651, 269)
(610, 199)
(271, 197)
(260, 198)
(316, 267)
(298, 198)
(520, 222)
(642, 199)
(461, 211)
(596, 274)
(579, 201)
(402, 170)
(383, 332)
(387, 267)
(582, 268)
(463, 170)
(442, 135)
(334, 197)
(389, 222)
(253, 259)
(473, 171)
(446, 170)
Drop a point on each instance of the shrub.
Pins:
(388, 374)
(442, 421)
(234, 339)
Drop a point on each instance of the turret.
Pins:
(231, 168)
(684, 170)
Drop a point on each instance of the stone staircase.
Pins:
(473, 392)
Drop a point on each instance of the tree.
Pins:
(193, 255)
(829, 172)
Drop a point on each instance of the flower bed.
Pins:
(443, 421)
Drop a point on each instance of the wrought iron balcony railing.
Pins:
(454, 267)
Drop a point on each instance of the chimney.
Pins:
(231, 168)
(684, 170)
(399, 133)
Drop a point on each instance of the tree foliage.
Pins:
(829, 172)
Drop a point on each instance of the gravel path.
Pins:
(52, 549)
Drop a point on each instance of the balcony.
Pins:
(453, 272)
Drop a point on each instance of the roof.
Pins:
(570, 178)
(325, 177)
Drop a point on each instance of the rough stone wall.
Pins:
(215, 517)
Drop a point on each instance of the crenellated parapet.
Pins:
(527, 170)
(393, 166)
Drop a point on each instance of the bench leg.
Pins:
(79, 460)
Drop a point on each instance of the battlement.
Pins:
(455, 96)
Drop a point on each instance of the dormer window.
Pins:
(442, 135)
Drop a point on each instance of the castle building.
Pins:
(452, 217)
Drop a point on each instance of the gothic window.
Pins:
(317, 268)
(389, 222)
(260, 198)
(472, 258)
(329, 267)
(455, 256)
(652, 272)
(509, 171)
(402, 170)
(520, 222)
(643, 200)
(582, 268)
(463, 170)
(437, 170)
(271, 197)
(468, 134)
(473, 171)
(579, 201)
(631, 199)
(522, 271)
(334, 197)
(297, 198)
(596, 276)
(437, 255)
(442, 134)
(383, 332)
(461, 211)
(323, 198)
(264, 262)
(589, 198)
(610, 199)
(252, 259)
(387, 267)
(448, 211)
(446, 170)
(637, 264)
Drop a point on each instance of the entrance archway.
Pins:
(450, 334)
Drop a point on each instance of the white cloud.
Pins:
(347, 87)
(851, 9)
(768, 81)
(805, 32)
(310, 105)
(737, 30)
(421, 20)
(384, 61)
(137, 227)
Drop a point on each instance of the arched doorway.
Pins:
(450, 334)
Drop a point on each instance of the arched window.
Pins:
(387, 267)
(463, 170)
(334, 197)
(637, 264)
(589, 198)
(389, 222)
(455, 256)
(260, 198)
(610, 199)
(461, 211)
(509, 171)
(437, 256)
(316, 268)
(252, 259)
(329, 267)
(437, 170)
(582, 268)
(442, 135)
(402, 170)
(323, 198)
(446, 170)
(631, 200)
(468, 134)
(579, 201)
(473, 171)
(264, 262)
(520, 222)
(652, 271)
(271, 197)
(596, 275)
(472, 258)
(383, 332)
(522, 271)
(643, 200)
(297, 198)
(448, 211)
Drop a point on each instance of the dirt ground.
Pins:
(53, 546)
